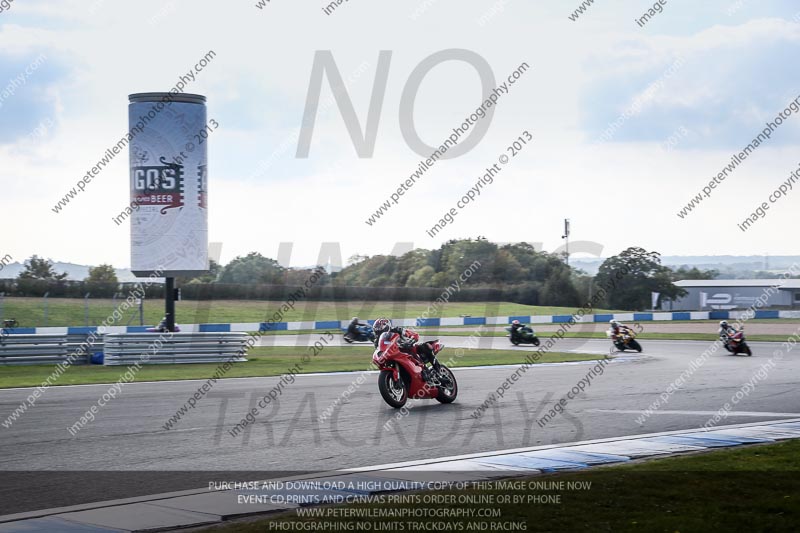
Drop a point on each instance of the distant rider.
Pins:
(352, 328)
(726, 331)
(516, 326)
(408, 338)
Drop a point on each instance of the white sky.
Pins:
(738, 71)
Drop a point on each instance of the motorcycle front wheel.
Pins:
(449, 389)
(535, 341)
(394, 392)
(635, 345)
(747, 350)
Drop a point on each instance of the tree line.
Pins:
(509, 272)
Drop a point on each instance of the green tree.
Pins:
(102, 274)
(528, 276)
(408, 265)
(38, 268)
(298, 276)
(253, 268)
(507, 267)
(458, 256)
(422, 277)
(558, 289)
(211, 276)
(631, 276)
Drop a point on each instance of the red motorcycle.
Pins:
(401, 373)
(736, 344)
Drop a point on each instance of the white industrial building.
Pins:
(727, 294)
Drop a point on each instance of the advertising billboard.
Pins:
(168, 184)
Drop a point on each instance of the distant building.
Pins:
(727, 294)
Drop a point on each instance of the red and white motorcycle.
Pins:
(736, 344)
(401, 373)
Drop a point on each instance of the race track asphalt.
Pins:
(54, 468)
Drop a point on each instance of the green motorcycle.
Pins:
(523, 335)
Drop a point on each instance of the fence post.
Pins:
(45, 307)
(2, 302)
(141, 310)
(86, 308)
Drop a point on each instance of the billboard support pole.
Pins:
(169, 303)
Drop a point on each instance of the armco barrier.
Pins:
(151, 348)
(33, 349)
(437, 322)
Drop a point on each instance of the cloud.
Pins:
(731, 80)
(28, 93)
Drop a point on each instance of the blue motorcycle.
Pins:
(363, 334)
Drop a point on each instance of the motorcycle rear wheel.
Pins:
(395, 393)
(447, 394)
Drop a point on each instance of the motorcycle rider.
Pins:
(352, 328)
(162, 326)
(726, 331)
(408, 338)
(516, 326)
(617, 329)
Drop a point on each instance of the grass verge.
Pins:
(744, 489)
(263, 361)
(29, 312)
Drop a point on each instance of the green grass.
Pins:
(262, 361)
(29, 312)
(754, 488)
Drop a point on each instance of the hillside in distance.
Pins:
(728, 266)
